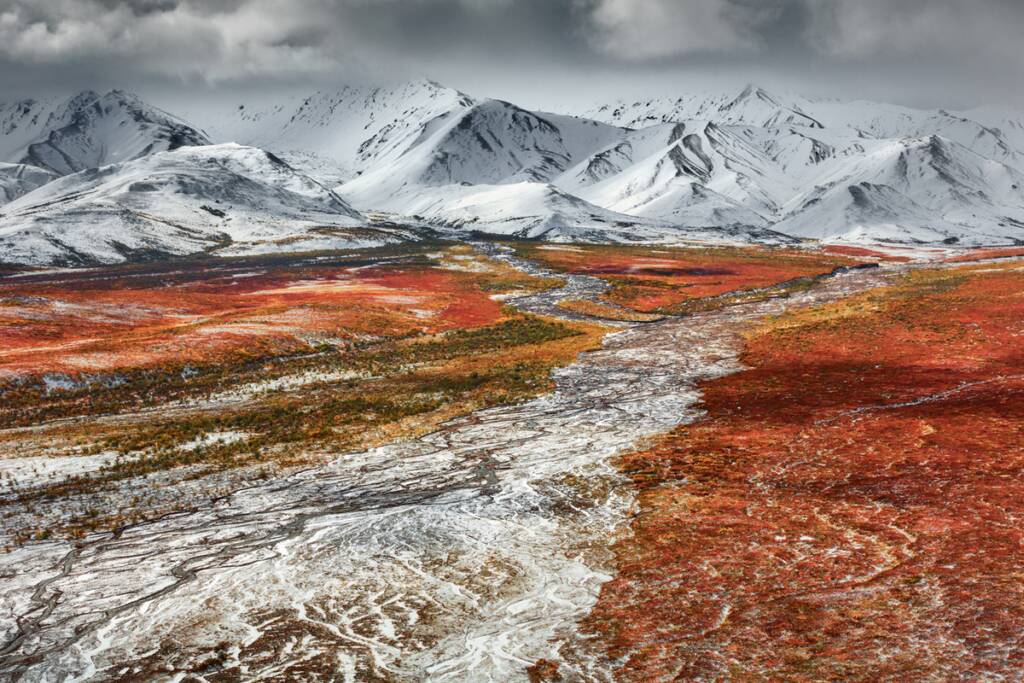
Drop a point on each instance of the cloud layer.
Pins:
(217, 41)
(981, 30)
(212, 40)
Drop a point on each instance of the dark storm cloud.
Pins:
(916, 43)
(944, 31)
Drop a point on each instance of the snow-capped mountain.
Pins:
(743, 166)
(825, 169)
(1007, 123)
(87, 131)
(218, 198)
(920, 188)
(753, 106)
(492, 166)
(523, 209)
(981, 130)
(693, 173)
(750, 159)
(426, 133)
(534, 210)
(887, 121)
(491, 142)
(336, 134)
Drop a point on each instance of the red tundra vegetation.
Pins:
(851, 507)
(213, 373)
(865, 253)
(985, 254)
(107, 319)
(666, 280)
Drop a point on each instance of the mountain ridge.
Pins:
(225, 199)
(744, 165)
(89, 130)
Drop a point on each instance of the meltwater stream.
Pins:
(464, 555)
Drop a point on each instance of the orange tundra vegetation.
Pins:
(985, 254)
(102, 320)
(262, 364)
(864, 253)
(669, 280)
(851, 507)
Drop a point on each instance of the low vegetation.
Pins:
(331, 356)
(677, 281)
(849, 508)
(595, 309)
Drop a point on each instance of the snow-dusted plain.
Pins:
(739, 167)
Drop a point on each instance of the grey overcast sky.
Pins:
(948, 53)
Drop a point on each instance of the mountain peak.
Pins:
(428, 83)
(83, 97)
(752, 90)
(434, 89)
(73, 105)
(78, 103)
(123, 96)
(186, 201)
(755, 92)
(90, 130)
(755, 105)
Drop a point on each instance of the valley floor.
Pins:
(491, 463)
(850, 507)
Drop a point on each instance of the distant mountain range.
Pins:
(106, 177)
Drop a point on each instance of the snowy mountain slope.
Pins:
(19, 179)
(820, 168)
(736, 164)
(23, 122)
(525, 209)
(675, 199)
(749, 159)
(90, 130)
(491, 142)
(867, 213)
(422, 131)
(888, 121)
(754, 171)
(753, 106)
(1008, 123)
(220, 197)
(336, 134)
(665, 173)
(495, 142)
(919, 189)
(607, 162)
(939, 174)
(541, 211)
(495, 167)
